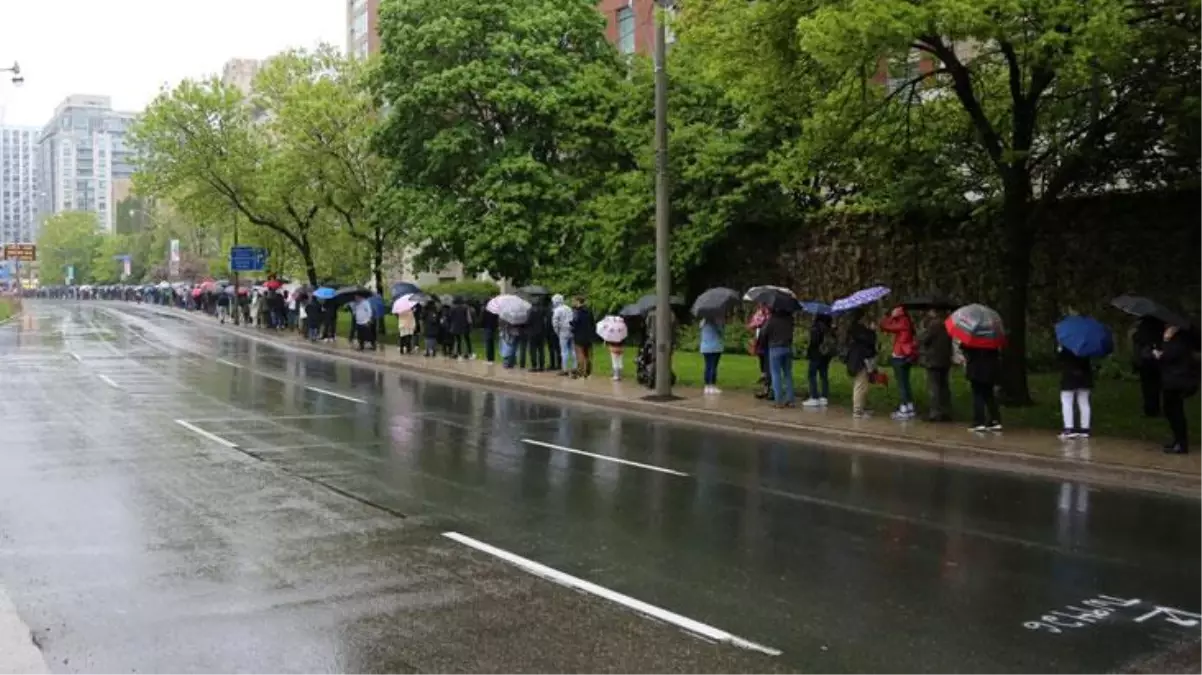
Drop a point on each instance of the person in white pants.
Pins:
(1076, 381)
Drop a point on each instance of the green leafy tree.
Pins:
(70, 238)
(487, 101)
(1015, 106)
(206, 145)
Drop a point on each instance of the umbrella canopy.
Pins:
(933, 300)
(404, 304)
(534, 290)
(324, 293)
(862, 297)
(631, 310)
(197, 292)
(273, 284)
(815, 307)
(756, 293)
(715, 303)
(164, 284)
(775, 297)
(648, 302)
(611, 329)
(1084, 336)
(977, 326)
(509, 308)
(1137, 305)
(404, 288)
(348, 292)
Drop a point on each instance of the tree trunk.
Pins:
(306, 252)
(1019, 242)
(377, 265)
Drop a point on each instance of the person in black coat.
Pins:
(1145, 339)
(459, 321)
(819, 352)
(1179, 377)
(536, 335)
(935, 355)
(489, 323)
(983, 368)
(431, 329)
(1076, 381)
(584, 329)
(860, 356)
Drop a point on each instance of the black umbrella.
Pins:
(716, 302)
(1137, 305)
(933, 300)
(347, 292)
(776, 298)
(650, 301)
(404, 288)
(631, 310)
(534, 290)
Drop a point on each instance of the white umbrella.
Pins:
(509, 308)
(612, 329)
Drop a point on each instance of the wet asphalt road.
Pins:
(176, 498)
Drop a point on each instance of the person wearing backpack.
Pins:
(935, 355)
(822, 348)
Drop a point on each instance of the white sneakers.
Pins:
(814, 403)
(711, 389)
(904, 412)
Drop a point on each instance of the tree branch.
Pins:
(962, 85)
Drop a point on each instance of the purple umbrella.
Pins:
(860, 298)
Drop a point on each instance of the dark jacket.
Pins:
(313, 312)
(1076, 372)
(820, 331)
(778, 330)
(536, 322)
(1145, 338)
(861, 347)
(1178, 369)
(459, 320)
(935, 346)
(431, 325)
(488, 320)
(584, 328)
(983, 366)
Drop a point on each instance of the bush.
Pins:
(472, 291)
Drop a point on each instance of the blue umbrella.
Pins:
(815, 307)
(377, 306)
(404, 288)
(1084, 336)
(324, 293)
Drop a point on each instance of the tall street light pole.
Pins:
(663, 269)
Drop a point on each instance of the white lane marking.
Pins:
(605, 457)
(231, 364)
(336, 394)
(75, 356)
(109, 381)
(20, 655)
(696, 627)
(211, 436)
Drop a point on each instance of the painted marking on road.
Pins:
(231, 364)
(1109, 608)
(75, 356)
(209, 435)
(336, 394)
(702, 630)
(605, 457)
(20, 653)
(109, 381)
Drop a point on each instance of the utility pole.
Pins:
(663, 270)
(234, 304)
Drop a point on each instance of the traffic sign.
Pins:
(247, 258)
(25, 252)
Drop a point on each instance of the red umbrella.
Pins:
(273, 284)
(977, 326)
(196, 292)
(244, 291)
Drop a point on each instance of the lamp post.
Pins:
(18, 78)
(663, 269)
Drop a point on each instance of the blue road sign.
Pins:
(248, 258)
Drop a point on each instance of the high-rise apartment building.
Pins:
(240, 73)
(81, 154)
(18, 184)
(362, 31)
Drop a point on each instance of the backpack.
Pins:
(829, 345)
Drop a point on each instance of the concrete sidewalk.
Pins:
(1103, 461)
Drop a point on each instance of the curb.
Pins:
(952, 454)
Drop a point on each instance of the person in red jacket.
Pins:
(905, 353)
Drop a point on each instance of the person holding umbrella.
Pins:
(860, 358)
(583, 329)
(981, 335)
(778, 336)
(935, 355)
(1179, 377)
(1078, 340)
(905, 352)
(712, 307)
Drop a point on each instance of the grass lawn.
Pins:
(8, 307)
(1116, 403)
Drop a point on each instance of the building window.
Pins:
(626, 30)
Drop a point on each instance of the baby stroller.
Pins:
(644, 365)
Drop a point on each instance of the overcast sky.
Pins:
(128, 49)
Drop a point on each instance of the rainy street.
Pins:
(174, 497)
